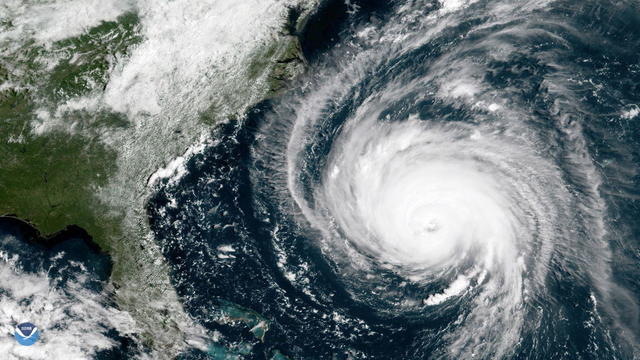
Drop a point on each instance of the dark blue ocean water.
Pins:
(232, 234)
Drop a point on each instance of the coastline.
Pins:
(117, 197)
(33, 235)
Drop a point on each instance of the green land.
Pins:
(50, 178)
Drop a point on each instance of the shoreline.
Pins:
(32, 234)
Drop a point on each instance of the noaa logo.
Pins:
(27, 334)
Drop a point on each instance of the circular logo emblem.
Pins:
(27, 334)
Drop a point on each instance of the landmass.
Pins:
(66, 157)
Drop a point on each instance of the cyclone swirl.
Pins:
(440, 204)
(429, 191)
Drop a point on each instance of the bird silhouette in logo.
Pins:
(27, 334)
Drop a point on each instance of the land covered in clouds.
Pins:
(102, 100)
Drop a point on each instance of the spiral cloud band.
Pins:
(442, 184)
(443, 201)
(468, 210)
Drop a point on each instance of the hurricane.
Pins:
(444, 205)
(441, 184)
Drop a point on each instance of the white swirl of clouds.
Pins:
(478, 205)
(444, 202)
